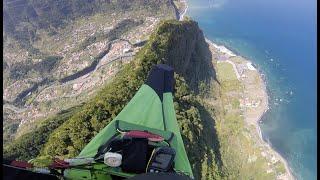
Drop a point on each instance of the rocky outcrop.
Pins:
(187, 52)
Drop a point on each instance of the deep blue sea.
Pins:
(279, 36)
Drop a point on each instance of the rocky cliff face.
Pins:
(187, 52)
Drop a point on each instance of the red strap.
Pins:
(21, 164)
(58, 163)
(143, 134)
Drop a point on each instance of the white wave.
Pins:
(217, 3)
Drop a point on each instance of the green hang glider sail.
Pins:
(152, 110)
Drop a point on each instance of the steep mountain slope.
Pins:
(179, 44)
(218, 142)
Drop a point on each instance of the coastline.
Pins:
(289, 174)
(231, 53)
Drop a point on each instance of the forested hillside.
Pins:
(51, 14)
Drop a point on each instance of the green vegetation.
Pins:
(9, 127)
(240, 154)
(51, 15)
(280, 167)
(30, 144)
(236, 149)
(23, 69)
(235, 103)
(226, 72)
(115, 33)
(227, 77)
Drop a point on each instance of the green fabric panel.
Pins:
(80, 174)
(144, 108)
(181, 160)
(104, 169)
(99, 173)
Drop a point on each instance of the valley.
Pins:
(67, 66)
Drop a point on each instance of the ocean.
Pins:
(279, 37)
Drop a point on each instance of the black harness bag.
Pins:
(134, 155)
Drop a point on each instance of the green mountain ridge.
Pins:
(178, 44)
